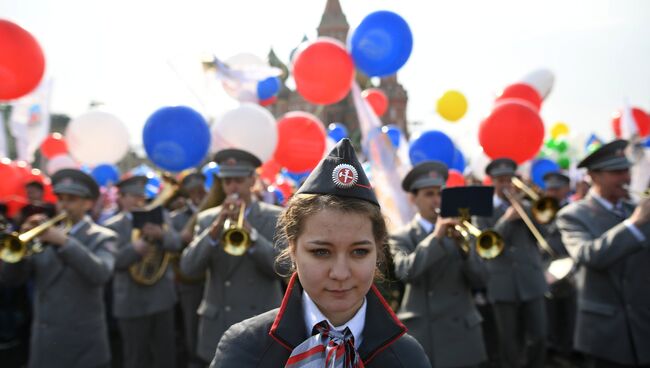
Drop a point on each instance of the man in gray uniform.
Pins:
(190, 289)
(69, 326)
(438, 308)
(145, 313)
(237, 287)
(516, 285)
(609, 239)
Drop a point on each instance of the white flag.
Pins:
(30, 120)
(628, 125)
(387, 166)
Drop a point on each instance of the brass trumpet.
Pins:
(236, 239)
(489, 244)
(544, 209)
(14, 247)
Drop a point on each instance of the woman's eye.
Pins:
(360, 252)
(320, 252)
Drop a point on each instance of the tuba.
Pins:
(14, 246)
(154, 263)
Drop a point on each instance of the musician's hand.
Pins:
(641, 214)
(511, 214)
(217, 225)
(444, 225)
(229, 210)
(141, 247)
(55, 236)
(151, 231)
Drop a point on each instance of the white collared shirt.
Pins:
(77, 226)
(313, 315)
(610, 207)
(498, 202)
(426, 225)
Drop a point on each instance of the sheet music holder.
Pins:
(467, 201)
(153, 216)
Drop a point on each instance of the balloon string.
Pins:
(189, 88)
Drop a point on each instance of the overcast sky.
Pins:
(137, 56)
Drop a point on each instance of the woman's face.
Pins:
(335, 258)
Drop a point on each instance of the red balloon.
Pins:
(487, 180)
(11, 179)
(641, 118)
(377, 100)
(455, 179)
(522, 91)
(21, 61)
(301, 141)
(269, 170)
(512, 130)
(54, 145)
(323, 71)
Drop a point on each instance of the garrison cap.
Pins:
(132, 184)
(501, 166)
(554, 180)
(426, 174)
(340, 174)
(608, 157)
(236, 163)
(75, 182)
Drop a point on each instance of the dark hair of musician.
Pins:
(301, 206)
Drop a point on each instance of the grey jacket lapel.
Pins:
(54, 265)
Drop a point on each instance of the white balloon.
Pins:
(330, 143)
(542, 80)
(478, 162)
(59, 162)
(249, 127)
(97, 137)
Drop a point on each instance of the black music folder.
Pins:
(471, 201)
(154, 216)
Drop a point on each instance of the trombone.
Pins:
(14, 246)
(489, 244)
(529, 223)
(235, 238)
(544, 209)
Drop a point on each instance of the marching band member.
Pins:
(69, 326)
(238, 286)
(331, 314)
(516, 285)
(609, 239)
(438, 307)
(144, 309)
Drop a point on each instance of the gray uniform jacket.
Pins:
(266, 341)
(612, 279)
(437, 307)
(236, 287)
(131, 299)
(69, 325)
(517, 274)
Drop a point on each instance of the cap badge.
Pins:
(433, 175)
(230, 162)
(345, 176)
(66, 181)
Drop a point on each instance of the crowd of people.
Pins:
(220, 277)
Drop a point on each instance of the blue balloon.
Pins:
(337, 131)
(176, 138)
(541, 167)
(210, 170)
(86, 169)
(105, 174)
(268, 88)
(381, 44)
(394, 134)
(459, 161)
(142, 170)
(432, 145)
(647, 142)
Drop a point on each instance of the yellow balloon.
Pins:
(452, 106)
(559, 129)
